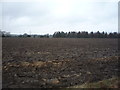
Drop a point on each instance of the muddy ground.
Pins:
(52, 62)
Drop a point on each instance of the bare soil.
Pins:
(57, 62)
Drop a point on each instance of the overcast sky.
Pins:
(48, 16)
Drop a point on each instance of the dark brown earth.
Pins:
(51, 62)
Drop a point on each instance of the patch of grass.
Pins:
(108, 83)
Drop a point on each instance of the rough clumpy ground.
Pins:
(49, 63)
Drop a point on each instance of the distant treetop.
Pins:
(72, 34)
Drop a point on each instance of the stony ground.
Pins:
(49, 63)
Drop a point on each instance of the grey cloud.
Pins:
(41, 16)
(19, 9)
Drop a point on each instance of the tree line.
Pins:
(73, 34)
(7, 34)
(85, 34)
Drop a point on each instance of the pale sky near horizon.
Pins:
(48, 16)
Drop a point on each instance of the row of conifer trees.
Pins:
(85, 34)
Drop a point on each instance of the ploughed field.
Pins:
(57, 62)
